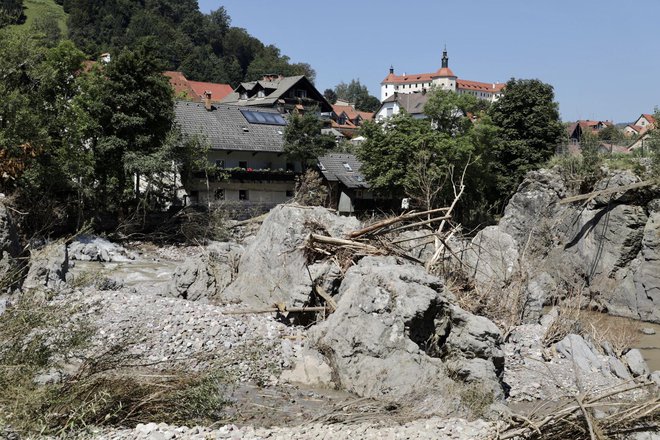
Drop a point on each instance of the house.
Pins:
(286, 94)
(347, 119)
(246, 145)
(196, 90)
(443, 78)
(348, 189)
(576, 129)
(412, 103)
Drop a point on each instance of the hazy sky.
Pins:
(601, 56)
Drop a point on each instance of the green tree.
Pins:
(448, 111)
(130, 112)
(11, 12)
(48, 28)
(529, 131)
(611, 134)
(330, 95)
(303, 140)
(358, 94)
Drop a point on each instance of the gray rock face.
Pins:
(575, 348)
(533, 203)
(48, 267)
(9, 246)
(636, 363)
(273, 267)
(396, 334)
(492, 258)
(609, 249)
(204, 278)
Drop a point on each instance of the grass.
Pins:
(38, 336)
(40, 8)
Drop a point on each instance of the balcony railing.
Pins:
(248, 174)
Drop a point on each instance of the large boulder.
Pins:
(491, 259)
(48, 267)
(533, 204)
(397, 335)
(273, 268)
(205, 277)
(9, 249)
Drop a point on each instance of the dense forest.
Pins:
(205, 47)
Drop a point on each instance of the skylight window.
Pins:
(347, 167)
(254, 117)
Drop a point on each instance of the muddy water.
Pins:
(131, 273)
(648, 345)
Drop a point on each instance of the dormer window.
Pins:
(261, 94)
(244, 95)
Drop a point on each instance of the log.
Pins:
(391, 221)
(604, 192)
(343, 242)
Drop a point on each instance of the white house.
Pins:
(443, 78)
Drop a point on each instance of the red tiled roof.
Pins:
(348, 109)
(637, 128)
(181, 85)
(218, 91)
(367, 116)
(479, 86)
(414, 78)
(649, 118)
(194, 90)
(444, 72)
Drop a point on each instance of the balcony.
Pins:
(249, 175)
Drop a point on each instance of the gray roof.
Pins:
(334, 170)
(413, 103)
(281, 86)
(279, 89)
(226, 128)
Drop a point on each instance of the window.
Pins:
(219, 194)
(243, 194)
(289, 193)
(242, 164)
(244, 95)
(220, 163)
(347, 167)
(260, 94)
(290, 167)
(301, 93)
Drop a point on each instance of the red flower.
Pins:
(249, 169)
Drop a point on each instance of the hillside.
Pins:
(39, 9)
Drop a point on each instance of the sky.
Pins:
(601, 56)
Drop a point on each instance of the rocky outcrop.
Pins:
(9, 249)
(273, 268)
(609, 248)
(397, 334)
(48, 267)
(204, 278)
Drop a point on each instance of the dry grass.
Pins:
(621, 333)
(38, 336)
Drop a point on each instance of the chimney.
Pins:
(207, 100)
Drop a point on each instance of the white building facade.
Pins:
(444, 78)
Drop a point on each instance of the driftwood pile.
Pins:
(618, 416)
(381, 237)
